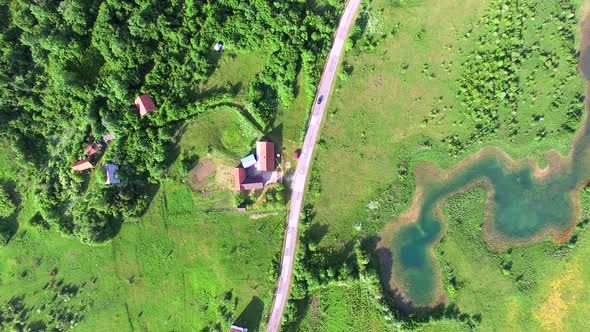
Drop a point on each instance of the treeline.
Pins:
(70, 70)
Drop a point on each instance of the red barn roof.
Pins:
(265, 151)
(239, 177)
(90, 150)
(81, 165)
(144, 104)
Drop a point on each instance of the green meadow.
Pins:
(191, 261)
(408, 93)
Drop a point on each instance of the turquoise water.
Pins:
(522, 207)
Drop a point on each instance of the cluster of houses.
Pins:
(254, 170)
(145, 105)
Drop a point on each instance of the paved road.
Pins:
(303, 165)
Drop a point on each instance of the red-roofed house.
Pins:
(265, 151)
(81, 165)
(239, 177)
(144, 104)
(234, 328)
(92, 148)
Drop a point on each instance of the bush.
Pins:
(7, 207)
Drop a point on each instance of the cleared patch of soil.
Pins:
(197, 178)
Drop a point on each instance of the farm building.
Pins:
(81, 165)
(263, 172)
(218, 46)
(248, 161)
(265, 152)
(92, 148)
(110, 170)
(144, 104)
(235, 328)
(239, 177)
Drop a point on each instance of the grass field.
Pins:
(376, 118)
(395, 107)
(529, 288)
(235, 70)
(191, 262)
(344, 307)
(171, 269)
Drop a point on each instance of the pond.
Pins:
(524, 204)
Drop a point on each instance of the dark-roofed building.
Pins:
(144, 104)
(110, 170)
(81, 165)
(265, 153)
(239, 177)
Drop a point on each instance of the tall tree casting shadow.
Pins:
(252, 315)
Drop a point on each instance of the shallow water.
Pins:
(522, 207)
(524, 204)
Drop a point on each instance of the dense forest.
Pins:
(70, 70)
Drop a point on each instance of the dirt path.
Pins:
(303, 166)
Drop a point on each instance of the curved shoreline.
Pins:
(496, 240)
(556, 165)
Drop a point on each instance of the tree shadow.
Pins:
(212, 58)
(244, 112)
(251, 315)
(316, 232)
(385, 271)
(15, 313)
(37, 325)
(217, 90)
(275, 135)
(411, 314)
(9, 225)
(10, 189)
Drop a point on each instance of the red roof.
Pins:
(89, 150)
(81, 165)
(239, 177)
(266, 156)
(92, 148)
(144, 104)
